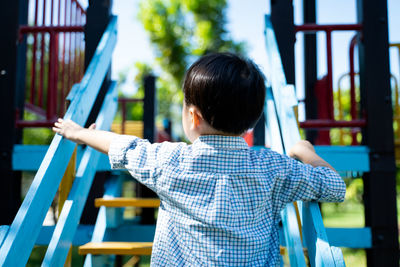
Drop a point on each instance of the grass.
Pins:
(39, 252)
(348, 214)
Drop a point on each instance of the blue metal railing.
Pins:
(283, 133)
(19, 239)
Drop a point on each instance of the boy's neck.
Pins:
(212, 131)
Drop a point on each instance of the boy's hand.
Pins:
(301, 149)
(70, 129)
(305, 152)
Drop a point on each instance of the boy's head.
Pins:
(228, 91)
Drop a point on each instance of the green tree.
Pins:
(181, 31)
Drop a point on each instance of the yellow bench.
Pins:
(131, 128)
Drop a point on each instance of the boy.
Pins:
(220, 200)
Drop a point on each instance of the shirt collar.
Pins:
(221, 141)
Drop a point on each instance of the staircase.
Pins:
(135, 249)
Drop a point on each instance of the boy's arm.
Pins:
(313, 179)
(305, 152)
(99, 140)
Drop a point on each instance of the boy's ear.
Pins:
(195, 116)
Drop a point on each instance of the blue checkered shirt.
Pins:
(220, 200)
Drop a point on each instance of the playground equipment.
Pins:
(94, 99)
(374, 118)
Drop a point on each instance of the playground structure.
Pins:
(93, 98)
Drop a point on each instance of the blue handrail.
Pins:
(24, 230)
(280, 101)
(72, 210)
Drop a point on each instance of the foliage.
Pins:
(180, 31)
(355, 190)
(36, 136)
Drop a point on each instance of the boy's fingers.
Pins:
(60, 120)
(92, 126)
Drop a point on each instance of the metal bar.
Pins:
(78, 69)
(83, 46)
(34, 47)
(82, 62)
(34, 124)
(282, 19)
(76, 51)
(79, 6)
(52, 12)
(55, 85)
(69, 81)
(72, 48)
(333, 124)
(62, 94)
(310, 67)
(41, 73)
(330, 70)
(42, 57)
(149, 101)
(59, 13)
(48, 29)
(10, 181)
(380, 183)
(58, 92)
(35, 109)
(311, 27)
(353, 106)
(50, 85)
(353, 103)
(340, 108)
(123, 102)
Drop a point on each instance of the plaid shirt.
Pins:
(220, 200)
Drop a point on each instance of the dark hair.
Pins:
(228, 90)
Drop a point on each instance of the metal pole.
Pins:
(283, 23)
(10, 183)
(149, 108)
(259, 132)
(380, 182)
(149, 112)
(310, 67)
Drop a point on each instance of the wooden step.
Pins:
(116, 248)
(128, 202)
(124, 248)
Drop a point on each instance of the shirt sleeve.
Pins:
(142, 159)
(298, 181)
